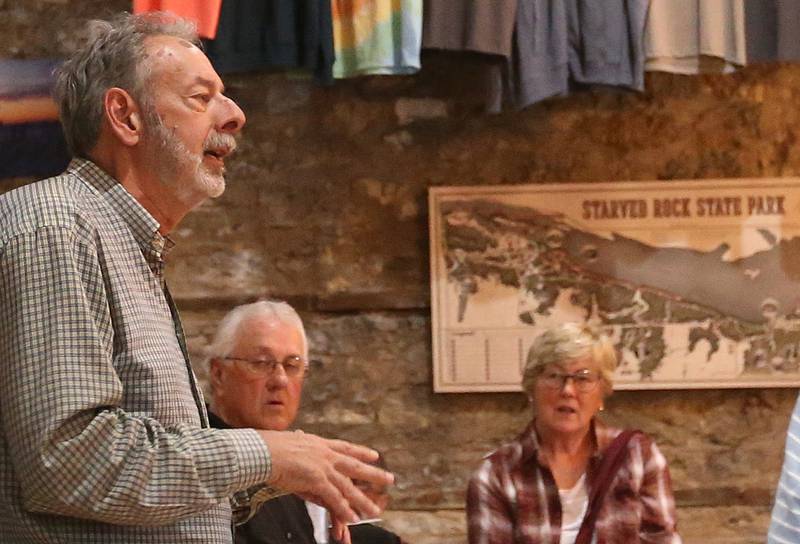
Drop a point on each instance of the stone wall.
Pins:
(326, 207)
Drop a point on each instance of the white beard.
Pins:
(180, 169)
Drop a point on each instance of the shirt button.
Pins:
(289, 536)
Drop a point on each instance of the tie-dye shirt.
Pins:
(376, 36)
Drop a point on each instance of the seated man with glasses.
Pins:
(555, 480)
(256, 366)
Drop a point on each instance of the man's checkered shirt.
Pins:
(104, 432)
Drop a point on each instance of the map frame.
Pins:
(746, 231)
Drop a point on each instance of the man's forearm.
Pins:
(131, 471)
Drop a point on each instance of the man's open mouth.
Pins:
(216, 153)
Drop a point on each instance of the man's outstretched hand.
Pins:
(321, 470)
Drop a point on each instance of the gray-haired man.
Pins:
(257, 365)
(105, 436)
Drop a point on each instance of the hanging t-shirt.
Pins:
(559, 43)
(469, 25)
(269, 34)
(204, 13)
(606, 42)
(695, 36)
(478, 26)
(376, 36)
(771, 30)
(540, 68)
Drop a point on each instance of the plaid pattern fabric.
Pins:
(104, 432)
(512, 497)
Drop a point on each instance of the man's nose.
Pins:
(232, 117)
(277, 378)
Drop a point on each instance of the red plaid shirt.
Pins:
(513, 497)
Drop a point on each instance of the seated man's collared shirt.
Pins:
(512, 497)
(104, 433)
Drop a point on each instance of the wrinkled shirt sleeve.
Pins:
(75, 452)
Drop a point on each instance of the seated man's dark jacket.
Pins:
(280, 521)
(372, 534)
(285, 520)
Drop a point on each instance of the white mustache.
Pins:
(219, 141)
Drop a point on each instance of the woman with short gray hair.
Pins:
(570, 341)
(568, 478)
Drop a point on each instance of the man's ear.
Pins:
(215, 372)
(123, 116)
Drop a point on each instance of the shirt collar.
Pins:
(140, 222)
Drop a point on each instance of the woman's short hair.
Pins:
(569, 341)
(114, 56)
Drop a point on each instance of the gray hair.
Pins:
(114, 56)
(569, 341)
(224, 341)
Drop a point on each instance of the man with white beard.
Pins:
(105, 436)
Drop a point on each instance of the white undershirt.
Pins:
(574, 502)
(320, 520)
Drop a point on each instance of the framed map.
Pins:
(696, 282)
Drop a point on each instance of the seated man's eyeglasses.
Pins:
(584, 380)
(293, 366)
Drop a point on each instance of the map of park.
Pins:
(678, 315)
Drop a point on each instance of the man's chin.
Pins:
(217, 188)
(211, 185)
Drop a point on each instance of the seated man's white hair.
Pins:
(225, 338)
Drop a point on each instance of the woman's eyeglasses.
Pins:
(584, 380)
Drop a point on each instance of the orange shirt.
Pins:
(204, 13)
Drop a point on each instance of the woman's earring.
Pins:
(601, 408)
